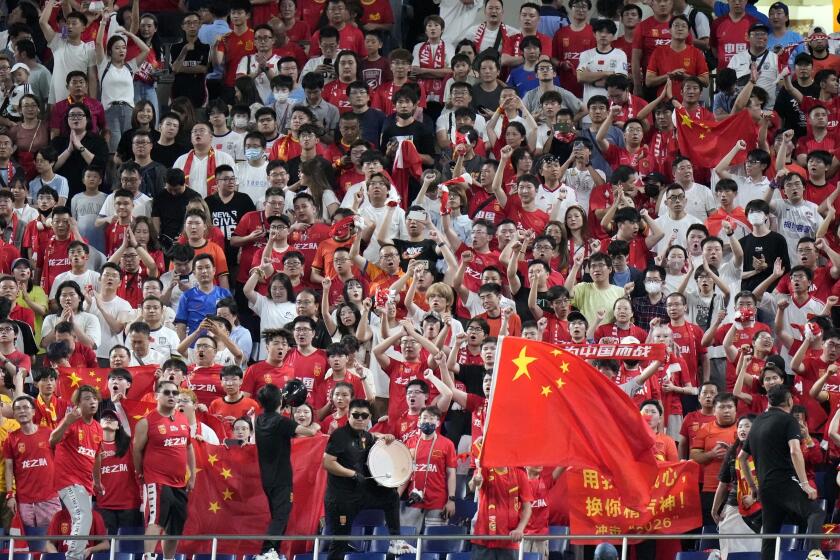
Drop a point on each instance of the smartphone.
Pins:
(578, 145)
(327, 62)
(416, 215)
(422, 264)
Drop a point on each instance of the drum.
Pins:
(390, 465)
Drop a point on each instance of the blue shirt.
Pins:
(195, 305)
(242, 338)
(208, 32)
(722, 8)
(789, 38)
(523, 80)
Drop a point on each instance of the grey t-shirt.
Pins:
(85, 210)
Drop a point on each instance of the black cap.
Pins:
(110, 414)
(576, 316)
(760, 27)
(780, 6)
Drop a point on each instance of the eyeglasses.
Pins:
(263, 38)
(226, 179)
(303, 330)
(204, 346)
(360, 415)
(169, 393)
(76, 116)
(6, 329)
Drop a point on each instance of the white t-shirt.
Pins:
(250, 65)
(88, 322)
(699, 202)
(398, 229)
(614, 60)
(582, 183)
(116, 84)
(768, 73)
(489, 37)
(670, 225)
(142, 206)
(66, 58)
(176, 294)
(164, 341)
(347, 201)
(253, 180)
(272, 316)
(88, 277)
(448, 52)
(795, 221)
(198, 172)
(446, 121)
(546, 199)
(153, 357)
(109, 338)
(232, 143)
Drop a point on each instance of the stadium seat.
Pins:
(558, 545)
(52, 556)
(117, 556)
(531, 556)
(460, 486)
(308, 556)
(21, 556)
(424, 556)
(134, 547)
(382, 546)
(369, 518)
(708, 544)
(693, 555)
(794, 555)
(458, 556)
(209, 557)
(365, 556)
(464, 512)
(446, 546)
(789, 544)
(744, 556)
(35, 546)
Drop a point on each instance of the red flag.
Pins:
(540, 389)
(136, 409)
(706, 142)
(70, 378)
(596, 507)
(407, 164)
(309, 482)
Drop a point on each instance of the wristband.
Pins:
(10, 495)
(451, 498)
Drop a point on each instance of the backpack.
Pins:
(709, 53)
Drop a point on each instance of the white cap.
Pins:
(21, 66)
(629, 340)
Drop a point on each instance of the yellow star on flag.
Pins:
(564, 367)
(556, 352)
(74, 379)
(546, 390)
(228, 494)
(212, 459)
(226, 473)
(686, 120)
(214, 507)
(702, 135)
(522, 362)
(559, 383)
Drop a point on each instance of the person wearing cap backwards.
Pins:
(758, 56)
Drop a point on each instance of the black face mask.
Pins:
(651, 190)
(45, 213)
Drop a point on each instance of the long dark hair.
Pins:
(122, 440)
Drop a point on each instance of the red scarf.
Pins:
(428, 59)
(10, 172)
(211, 170)
(482, 29)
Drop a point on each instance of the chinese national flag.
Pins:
(407, 164)
(309, 482)
(548, 407)
(706, 142)
(136, 410)
(71, 378)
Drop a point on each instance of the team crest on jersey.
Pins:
(42, 445)
(317, 371)
(565, 41)
(267, 378)
(21, 447)
(162, 430)
(249, 45)
(654, 32)
(686, 62)
(65, 528)
(81, 436)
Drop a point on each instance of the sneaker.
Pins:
(816, 554)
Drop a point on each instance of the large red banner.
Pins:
(596, 508)
(643, 352)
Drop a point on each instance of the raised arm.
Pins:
(501, 196)
(604, 129)
(722, 168)
(44, 19)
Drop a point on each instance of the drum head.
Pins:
(389, 465)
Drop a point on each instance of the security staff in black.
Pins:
(774, 443)
(348, 488)
(273, 433)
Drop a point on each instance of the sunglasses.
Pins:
(169, 393)
(360, 415)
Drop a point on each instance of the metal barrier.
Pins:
(317, 540)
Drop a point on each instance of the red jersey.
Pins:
(535, 220)
(673, 371)
(381, 97)
(612, 333)
(687, 339)
(118, 479)
(53, 260)
(243, 406)
(333, 422)
(376, 11)
(538, 523)
(49, 414)
(664, 149)
(556, 331)
(807, 144)
(648, 35)
(730, 37)
(262, 373)
(567, 46)
(247, 225)
(501, 496)
(692, 422)
(75, 455)
(820, 287)
(630, 109)
(350, 38)
(403, 427)
(400, 373)
(299, 32)
(205, 382)
(510, 44)
(23, 314)
(478, 406)
(665, 59)
(165, 454)
(131, 287)
(114, 236)
(642, 160)
(33, 465)
(83, 356)
(706, 439)
(306, 243)
(60, 526)
(813, 367)
(625, 45)
(484, 206)
(742, 336)
(818, 193)
(324, 386)
(472, 274)
(309, 369)
(309, 11)
(432, 459)
(335, 92)
(234, 48)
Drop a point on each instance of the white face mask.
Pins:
(281, 95)
(653, 287)
(756, 218)
(240, 121)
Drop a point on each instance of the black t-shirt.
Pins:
(422, 250)
(371, 122)
(487, 100)
(729, 476)
(191, 85)
(771, 247)
(273, 433)
(351, 449)
(171, 210)
(124, 147)
(166, 155)
(419, 133)
(768, 444)
(74, 167)
(789, 111)
(227, 215)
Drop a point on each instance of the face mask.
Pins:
(253, 154)
(653, 287)
(756, 218)
(240, 121)
(281, 95)
(427, 428)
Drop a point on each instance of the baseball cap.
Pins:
(109, 414)
(759, 27)
(576, 316)
(629, 340)
(20, 261)
(817, 32)
(21, 66)
(780, 6)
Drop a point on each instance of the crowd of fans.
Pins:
(366, 208)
